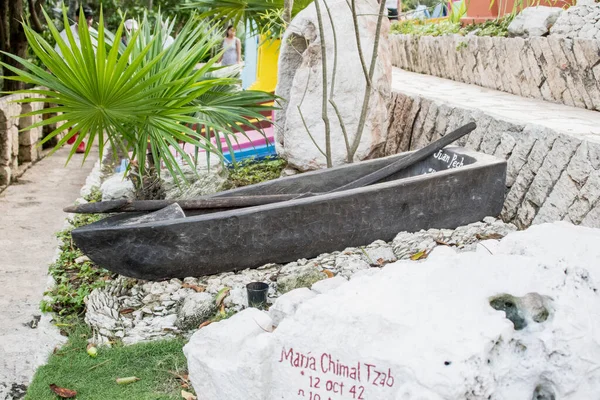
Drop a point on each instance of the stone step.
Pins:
(553, 150)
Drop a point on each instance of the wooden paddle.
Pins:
(193, 204)
(250, 201)
(409, 160)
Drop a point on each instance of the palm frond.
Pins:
(255, 14)
(141, 96)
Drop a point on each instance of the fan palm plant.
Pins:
(140, 98)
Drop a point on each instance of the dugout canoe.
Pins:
(453, 187)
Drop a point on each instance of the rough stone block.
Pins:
(30, 137)
(574, 85)
(494, 65)
(587, 198)
(441, 121)
(14, 140)
(554, 163)
(556, 207)
(519, 157)
(549, 65)
(28, 154)
(493, 135)
(5, 147)
(9, 111)
(535, 158)
(580, 167)
(417, 129)
(396, 110)
(531, 72)
(506, 146)
(428, 125)
(514, 48)
(592, 219)
(5, 175)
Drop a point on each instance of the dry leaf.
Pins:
(187, 395)
(380, 261)
(438, 241)
(129, 379)
(205, 323)
(195, 287)
(221, 295)
(419, 256)
(328, 273)
(63, 392)
(127, 311)
(496, 236)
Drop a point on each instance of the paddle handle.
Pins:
(409, 160)
(250, 201)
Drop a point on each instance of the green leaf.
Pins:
(138, 96)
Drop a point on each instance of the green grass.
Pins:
(73, 281)
(95, 378)
(249, 172)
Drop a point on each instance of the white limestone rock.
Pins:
(519, 324)
(196, 308)
(379, 253)
(300, 84)
(239, 348)
(93, 180)
(534, 21)
(117, 187)
(350, 265)
(580, 21)
(302, 276)
(327, 285)
(286, 304)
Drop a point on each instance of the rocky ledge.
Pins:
(518, 319)
(135, 311)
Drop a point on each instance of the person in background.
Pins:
(393, 7)
(233, 48)
(89, 18)
(128, 27)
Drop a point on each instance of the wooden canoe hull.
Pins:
(222, 241)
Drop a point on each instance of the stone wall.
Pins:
(551, 176)
(581, 21)
(552, 68)
(18, 150)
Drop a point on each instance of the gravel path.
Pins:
(30, 215)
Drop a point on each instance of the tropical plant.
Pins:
(141, 98)
(416, 27)
(457, 11)
(256, 14)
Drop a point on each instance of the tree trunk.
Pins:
(35, 12)
(73, 9)
(12, 38)
(287, 10)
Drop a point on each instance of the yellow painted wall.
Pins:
(266, 69)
